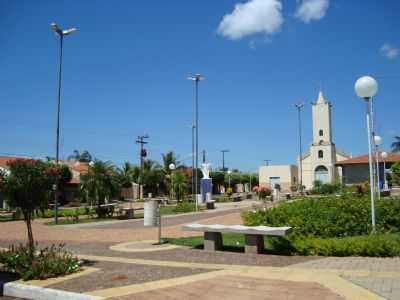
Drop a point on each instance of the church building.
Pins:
(319, 163)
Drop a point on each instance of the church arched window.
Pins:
(321, 132)
(320, 154)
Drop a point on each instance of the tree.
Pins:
(179, 185)
(26, 185)
(100, 183)
(85, 156)
(395, 175)
(396, 144)
(169, 158)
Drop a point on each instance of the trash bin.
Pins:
(150, 213)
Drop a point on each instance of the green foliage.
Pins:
(178, 185)
(377, 245)
(48, 262)
(329, 217)
(28, 186)
(325, 188)
(85, 156)
(396, 144)
(336, 226)
(184, 207)
(395, 176)
(100, 182)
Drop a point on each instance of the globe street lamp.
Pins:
(384, 156)
(61, 33)
(229, 178)
(378, 142)
(366, 87)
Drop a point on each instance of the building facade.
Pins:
(319, 163)
(286, 176)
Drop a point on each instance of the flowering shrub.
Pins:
(262, 192)
(45, 263)
(229, 191)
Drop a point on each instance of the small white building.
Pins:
(286, 176)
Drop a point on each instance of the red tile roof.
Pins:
(363, 159)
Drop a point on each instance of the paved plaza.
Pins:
(121, 262)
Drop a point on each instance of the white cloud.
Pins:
(254, 16)
(389, 51)
(310, 10)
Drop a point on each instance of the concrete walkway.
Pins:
(113, 272)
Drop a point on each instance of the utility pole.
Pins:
(267, 161)
(223, 159)
(142, 154)
(299, 106)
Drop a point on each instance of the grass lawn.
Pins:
(6, 218)
(231, 241)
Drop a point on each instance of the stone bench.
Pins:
(210, 204)
(254, 235)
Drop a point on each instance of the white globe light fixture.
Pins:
(171, 166)
(229, 172)
(91, 163)
(384, 155)
(377, 140)
(366, 87)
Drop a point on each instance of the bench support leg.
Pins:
(254, 243)
(212, 241)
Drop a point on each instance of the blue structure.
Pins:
(205, 188)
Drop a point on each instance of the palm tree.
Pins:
(169, 158)
(396, 144)
(100, 182)
(85, 156)
(179, 185)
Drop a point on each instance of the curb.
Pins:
(25, 291)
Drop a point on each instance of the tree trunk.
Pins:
(31, 243)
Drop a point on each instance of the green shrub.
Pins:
(329, 217)
(377, 245)
(46, 263)
(183, 207)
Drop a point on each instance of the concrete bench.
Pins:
(210, 204)
(254, 235)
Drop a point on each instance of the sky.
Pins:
(125, 74)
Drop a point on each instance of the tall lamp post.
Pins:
(299, 106)
(384, 156)
(193, 150)
(196, 78)
(229, 178)
(377, 142)
(223, 159)
(366, 87)
(61, 33)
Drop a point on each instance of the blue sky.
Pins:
(125, 75)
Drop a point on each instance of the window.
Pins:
(321, 132)
(320, 154)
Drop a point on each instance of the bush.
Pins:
(48, 262)
(183, 207)
(377, 245)
(329, 217)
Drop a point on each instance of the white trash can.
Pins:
(150, 213)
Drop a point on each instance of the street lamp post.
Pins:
(366, 87)
(299, 106)
(196, 78)
(377, 142)
(61, 33)
(384, 156)
(193, 150)
(223, 159)
(229, 178)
